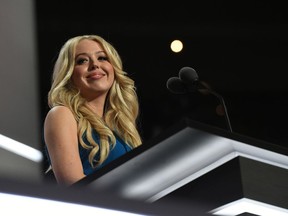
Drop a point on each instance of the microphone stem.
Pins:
(224, 107)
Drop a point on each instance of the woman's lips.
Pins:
(95, 75)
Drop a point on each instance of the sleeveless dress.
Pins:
(119, 149)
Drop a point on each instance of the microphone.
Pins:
(188, 81)
(188, 75)
(190, 78)
(176, 85)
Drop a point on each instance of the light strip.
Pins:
(260, 154)
(249, 206)
(20, 149)
(197, 153)
(31, 206)
(190, 178)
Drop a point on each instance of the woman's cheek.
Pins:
(76, 76)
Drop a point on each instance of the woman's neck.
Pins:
(97, 107)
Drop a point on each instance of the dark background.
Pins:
(239, 48)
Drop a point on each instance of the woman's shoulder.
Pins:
(59, 108)
(62, 112)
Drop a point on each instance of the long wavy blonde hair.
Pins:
(121, 107)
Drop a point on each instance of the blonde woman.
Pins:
(93, 110)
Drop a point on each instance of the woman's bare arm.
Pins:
(60, 133)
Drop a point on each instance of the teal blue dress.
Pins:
(120, 149)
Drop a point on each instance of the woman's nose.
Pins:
(94, 64)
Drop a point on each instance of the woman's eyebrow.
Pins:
(84, 53)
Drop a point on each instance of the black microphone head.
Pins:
(188, 75)
(176, 85)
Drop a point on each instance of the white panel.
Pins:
(19, 106)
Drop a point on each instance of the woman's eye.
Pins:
(102, 58)
(81, 61)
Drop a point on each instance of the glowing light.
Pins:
(24, 205)
(176, 46)
(20, 149)
(249, 206)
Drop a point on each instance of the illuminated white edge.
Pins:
(245, 205)
(192, 177)
(199, 158)
(11, 204)
(234, 149)
(20, 149)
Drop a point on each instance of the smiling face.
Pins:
(93, 74)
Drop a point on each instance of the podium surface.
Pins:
(198, 165)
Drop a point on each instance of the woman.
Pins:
(93, 109)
